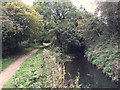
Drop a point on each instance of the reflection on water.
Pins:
(89, 75)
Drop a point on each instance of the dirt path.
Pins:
(12, 68)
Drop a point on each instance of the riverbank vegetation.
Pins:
(42, 70)
(65, 29)
(8, 60)
(103, 50)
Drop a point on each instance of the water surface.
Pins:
(89, 75)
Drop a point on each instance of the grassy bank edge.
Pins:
(7, 61)
(104, 57)
(26, 68)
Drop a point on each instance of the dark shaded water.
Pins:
(89, 75)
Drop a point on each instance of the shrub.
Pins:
(104, 57)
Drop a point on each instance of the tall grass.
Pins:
(41, 71)
(54, 73)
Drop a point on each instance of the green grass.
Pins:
(38, 73)
(7, 61)
(28, 49)
(28, 74)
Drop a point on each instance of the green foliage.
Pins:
(56, 10)
(41, 71)
(8, 61)
(67, 29)
(67, 35)
(29, 74)
(60, 20)
(104, 56)
(54, 73)
(19, 23)
(110, 15)
(101, 37)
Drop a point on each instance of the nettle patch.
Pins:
(106, 58)
(28, 80)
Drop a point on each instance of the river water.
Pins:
(90, 76)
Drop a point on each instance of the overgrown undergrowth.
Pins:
(42, 70)
(106, 57)
(54, 72)
(29, 73)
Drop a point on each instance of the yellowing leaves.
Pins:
(8, 4)
(21, 86)
(28, 13)
(27, 18)
(12, 3)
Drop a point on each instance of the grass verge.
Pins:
(7, 61)
(29, 73)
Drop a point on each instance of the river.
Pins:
(90, 76)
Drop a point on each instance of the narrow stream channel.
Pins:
(90, 77)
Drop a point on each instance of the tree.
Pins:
(56, 10)
(60, 21)
(109, 15)
(19, 23)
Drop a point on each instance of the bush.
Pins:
(104, 57)
(19, 23)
